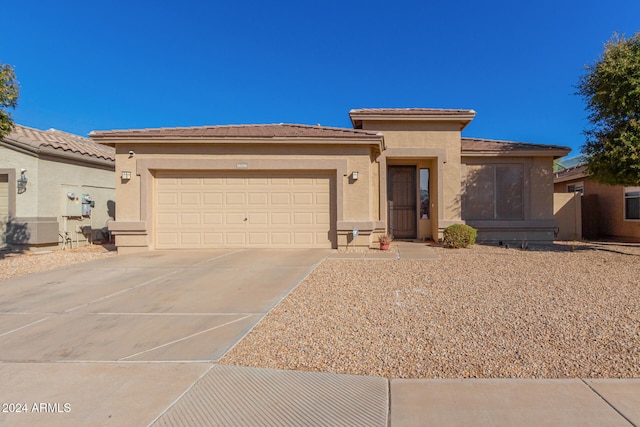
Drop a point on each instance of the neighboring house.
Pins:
(607, 210)
(45, 176)
(404, 171)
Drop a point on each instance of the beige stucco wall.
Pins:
(57, 178)
(27, 202)
(435, 145)
(39, 210)
(610, 208)
(538, 224)
(567, 210)
(135, 217)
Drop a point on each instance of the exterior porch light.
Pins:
(126, 175)
(22, 181)
(354, 175)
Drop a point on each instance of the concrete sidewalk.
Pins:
(238, 396)
(205, 394)
(405, 251)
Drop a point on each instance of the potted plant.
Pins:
(385, 240)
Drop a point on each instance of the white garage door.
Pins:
(225, 209)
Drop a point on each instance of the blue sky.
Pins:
(96, 65)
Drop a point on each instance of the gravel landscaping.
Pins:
(14, 264)
(485, 312)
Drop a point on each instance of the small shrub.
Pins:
(385, 239)
(459, 236)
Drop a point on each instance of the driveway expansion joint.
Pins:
(607, 402)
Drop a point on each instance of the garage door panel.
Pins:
(189, 218)
(169, 199)
(280, 181)
(303, 218)
(167, 182)
(215, 238)
(213, 199)
(190, 239)
(303, 181)
(259, 209)
(235, 238)
(234, 218)
(303, 198)
(280, 218)
(257, 218)
(212, 218)
(169, 239)
(280, 199)
(190, 182)
(303, 238)
(190, 199)
(260, 199)
(323, 218)
(258, 238)
(322, 199)
(167, 219)
(238, 199)
(213, 181)
(258, 181)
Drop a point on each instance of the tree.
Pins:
(9, 92)
(611, 89)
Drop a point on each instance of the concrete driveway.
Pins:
(156, 306)
(185, 309)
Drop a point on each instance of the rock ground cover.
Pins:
(557, 311)
(13, 264)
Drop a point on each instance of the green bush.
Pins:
(459, 236)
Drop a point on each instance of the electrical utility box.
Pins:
(78, 204)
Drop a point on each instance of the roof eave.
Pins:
(464, 117)
(147, 139)
(555, 153)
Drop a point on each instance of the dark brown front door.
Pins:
(402, 201)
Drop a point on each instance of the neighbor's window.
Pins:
(425, 201)
(577, 186)
(632, 203)
(494, 192)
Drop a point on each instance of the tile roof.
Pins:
(577, 171)
(492, 145)
(238, 131)
(60, 141)
(358, 116)
(412, 111)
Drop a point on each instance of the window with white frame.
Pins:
(632, 203)
(576, 186)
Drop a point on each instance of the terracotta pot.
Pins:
(384, 246)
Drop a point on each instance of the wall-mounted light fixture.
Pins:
(22, 181)
(126, 175)
(354, 175)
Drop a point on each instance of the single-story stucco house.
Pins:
(403, 171)
(607, 211)
(55, 188)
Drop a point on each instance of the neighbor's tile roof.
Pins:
(238, 131)
(577, 171)
(59, 140)
(478, 144)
